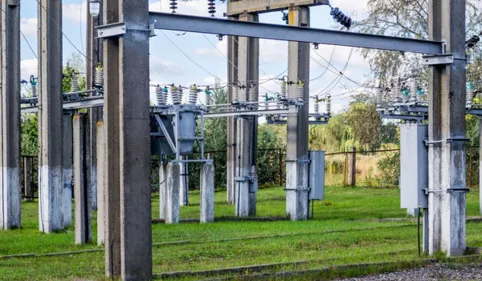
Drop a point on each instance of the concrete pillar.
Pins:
(231, 126)
(83, 206)
(207, 193)
(162, 189)
(67, 169)
(95, 54)
(447, 99)
(26, 179)
(10, 176)
(246, 145)
(184, 182)
(101, 148)
(126, 61)
(50, 116)
(172, 193)
(297, 136)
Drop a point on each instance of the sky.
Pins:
(172, 54)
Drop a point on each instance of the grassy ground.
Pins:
(345, 230)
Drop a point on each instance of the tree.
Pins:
(408, 18)
(365, 123)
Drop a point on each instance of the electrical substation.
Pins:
(105, 136)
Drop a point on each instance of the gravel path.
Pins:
(435, 272)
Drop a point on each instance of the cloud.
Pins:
(75, 12)
(27, 68)
(28, 26)
(221, 49)
(159, 65)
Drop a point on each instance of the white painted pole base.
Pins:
(207, 193)
(172, 193)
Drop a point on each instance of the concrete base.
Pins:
(51, 216)
(11, 200)
(296, 195)
(172, 193)
(184, 193)
(207, 193)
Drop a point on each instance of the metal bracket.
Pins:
(440, 59)
(428, 142)
(119, 29)
(450, 190)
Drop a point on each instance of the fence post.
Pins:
(352, 170)
(26, 179)
(280, 164)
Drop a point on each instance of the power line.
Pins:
(28, 44)
(80, 25)
(326, 68)
(63, 34)
(341, 72)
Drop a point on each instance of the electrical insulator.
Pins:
(405, 95)
(173, 6)
(175, 95)
(74, 83)
(328, 104)
(208, 95)
(396, 91)
(193, 93)
(470, 94)
(317, 105)
(252, 93)
(212, 7)
(301, 90)
(165, 91)
(340, 17)
(413, 92)
(285, 17)
(181, 93)
(283, 89)
(161, 99)
(472, 41)
(99, 77)
(33, 85)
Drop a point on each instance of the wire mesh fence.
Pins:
(379, 168)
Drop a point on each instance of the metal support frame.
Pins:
(216, 26)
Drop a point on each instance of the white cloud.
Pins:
(75, 12)
(28, 26)
(221, 49)
(159, 65)
(27, 68)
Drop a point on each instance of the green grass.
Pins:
(345, 230)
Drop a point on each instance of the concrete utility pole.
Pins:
(246, 182)
(95, 56)
(297, 158)
(10, 184)
(50, 116)
(128, 209)
(67, 162)
(101, 147)
(232, 78)
(447, 185)
(480, 165)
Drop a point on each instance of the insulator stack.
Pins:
(99, 77)
(161, 98)
(283, 91)
(252, 93)
(33, 85)
(341, 18)
(181, 93)
(74, 83)
(317, 105)
(208, 95)
(396, 92)
(405, 95)
(176, 99)
(301, 90)
(173, 6)
(470, 94)
(212, 7)
(328, 105)
(235, 93)
(193, 93)
(413, 92)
